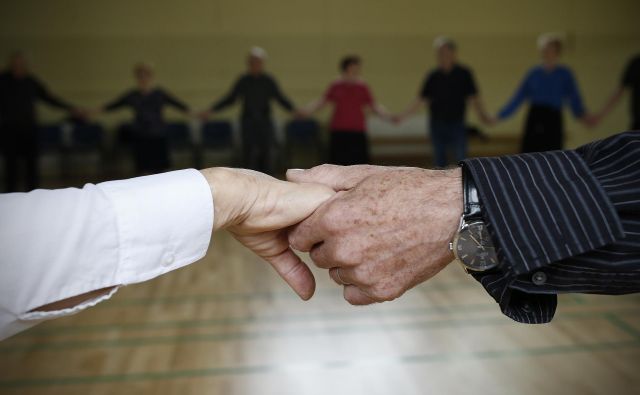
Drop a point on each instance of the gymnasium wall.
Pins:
(84, 50)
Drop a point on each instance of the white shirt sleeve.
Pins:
(55, 244)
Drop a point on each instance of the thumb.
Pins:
(294, 272)
(339, 178)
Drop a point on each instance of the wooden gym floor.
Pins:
(228, 325)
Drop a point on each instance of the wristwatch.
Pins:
(472, 245)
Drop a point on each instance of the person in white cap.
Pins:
(547, 87)
(446, 90)
(256, 89)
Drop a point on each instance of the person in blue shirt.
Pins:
(547, 87)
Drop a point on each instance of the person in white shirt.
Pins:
(64, 250)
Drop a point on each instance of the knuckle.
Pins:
(362, 274)
(333, 218)
(295, 241)
(339, 255)
(319, 171)
(317, 257)
(346, 255)
(350, 300)
(386, 293)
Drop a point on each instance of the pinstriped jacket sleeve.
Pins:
(562, 221)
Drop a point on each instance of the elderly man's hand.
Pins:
(257, 209)
(385, 231)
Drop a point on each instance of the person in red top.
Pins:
(351, 97)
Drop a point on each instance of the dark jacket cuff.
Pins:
(542, 208)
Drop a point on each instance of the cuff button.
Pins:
(539, 278)
(169, 259)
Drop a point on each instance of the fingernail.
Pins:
(295, 170)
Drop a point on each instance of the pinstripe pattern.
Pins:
(570, 217)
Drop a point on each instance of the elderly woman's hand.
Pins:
(257, 209)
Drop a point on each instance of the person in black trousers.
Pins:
(256, 88)
(547, 86)
(150, 141)
(630, 81)
(351, 98)
(447, 90)
(19, 92)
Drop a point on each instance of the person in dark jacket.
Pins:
(256, 89)
(150, 141)
(630, 81)
(20, 90)
(447, 90)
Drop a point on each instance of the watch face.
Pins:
(474, 248)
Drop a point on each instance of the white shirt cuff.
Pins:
(164, 222)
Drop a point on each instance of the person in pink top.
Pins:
(351, 98)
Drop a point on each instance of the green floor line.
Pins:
(286, 294)
(621, 324)
(178, 324)
(333, 365)
(277, 333)
(289, 318)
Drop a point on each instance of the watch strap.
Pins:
(470, 196)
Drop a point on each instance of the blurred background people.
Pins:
(19, 92)
(446, 91)
(631, 82)
(351, 98)
(256, 89)
(148, 130)
(547, 87)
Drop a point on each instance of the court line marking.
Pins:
(327, 365)
(287, 317)
(280, 333)
(623, 325)
(62, 330)
(330, 293)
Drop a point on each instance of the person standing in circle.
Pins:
(630, 82)
(150, 140)
(447, 90)
(547, 87)
(351, 97)
(256, 89)
(20, 91)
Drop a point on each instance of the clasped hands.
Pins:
(378, 230)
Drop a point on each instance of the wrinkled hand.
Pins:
(257, 209)
(385, 231)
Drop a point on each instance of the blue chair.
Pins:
(217, 136)
(179, 135)
(87, 136)
(304, 132)
(124, 135)
(180, 142)
(50, 138)
(52, 146)
(86, 149)
(302, 135)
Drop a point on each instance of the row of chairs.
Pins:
(213, 136)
